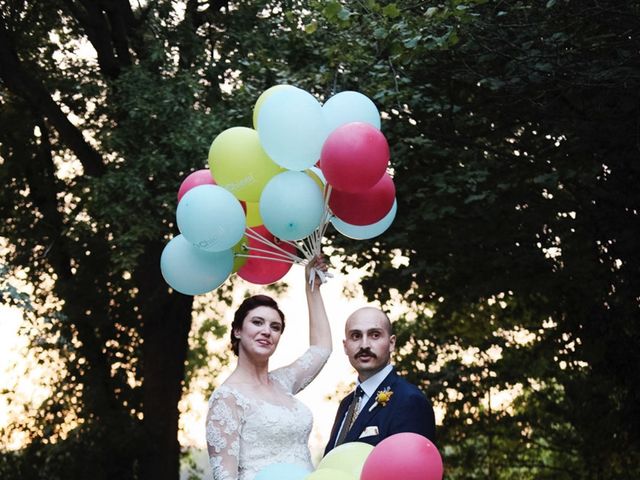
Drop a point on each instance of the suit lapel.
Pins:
(367, 413)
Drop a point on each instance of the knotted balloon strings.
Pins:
(310, 246)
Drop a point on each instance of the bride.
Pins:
(254, 420)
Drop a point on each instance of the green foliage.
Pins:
(509, 126)
(514, 155)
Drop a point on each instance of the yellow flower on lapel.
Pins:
(382, 398)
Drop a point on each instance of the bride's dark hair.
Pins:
(244, 308)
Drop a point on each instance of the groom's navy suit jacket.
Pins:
(408, 410)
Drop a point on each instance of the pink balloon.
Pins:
(194, 179)
(366, 207)
(407, 455)
(354, 157)
(260, 270)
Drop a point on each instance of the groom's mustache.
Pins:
(366, 351)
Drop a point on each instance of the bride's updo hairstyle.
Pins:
(244, 309)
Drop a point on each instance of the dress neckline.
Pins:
(294, 406)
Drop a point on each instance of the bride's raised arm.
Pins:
(300, 373)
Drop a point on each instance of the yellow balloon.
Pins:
(348, 458)
(329, 474)
(262, 98)
(239, 163)
(253, 215)
(242, 247)
(315, 174)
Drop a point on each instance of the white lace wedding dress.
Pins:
(245, 435)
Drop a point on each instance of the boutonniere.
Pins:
(382, 398)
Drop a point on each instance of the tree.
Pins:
(93, 148)
(510, 130)
(515, 168)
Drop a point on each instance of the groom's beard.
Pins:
(365, 351)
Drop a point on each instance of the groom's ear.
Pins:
(392, 343)
(344, 346)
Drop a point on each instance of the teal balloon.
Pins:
(283, 471)
(291, 128)
(191, 270)
(364, 232)
(291, 205)
(211, 218)
(347, 107)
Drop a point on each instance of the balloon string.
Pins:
(305, 249)
(274, 254)
(318, 233)
(262, 257)
(313, 241)
(325, 224)
(251, 233)
(310, 246)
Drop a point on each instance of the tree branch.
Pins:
(18, 81)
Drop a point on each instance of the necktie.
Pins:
(351, 415)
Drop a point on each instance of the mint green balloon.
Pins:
(347, 107)
(365, 232)
(211, 218)
(291, 128)
(291, 205)
(192, 271)
(283, 471)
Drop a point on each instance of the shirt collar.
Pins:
(370, 385)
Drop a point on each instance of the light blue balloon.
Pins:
(283, 471)
(211, 218)
(364, 232)
(291, 205)
(291, 128)
(193, 271)
(346, 107)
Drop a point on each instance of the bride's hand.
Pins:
(316, 267)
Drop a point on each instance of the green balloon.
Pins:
(348, 458)
(329, 474)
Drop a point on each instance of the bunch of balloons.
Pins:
(270, 191)
(407, 456)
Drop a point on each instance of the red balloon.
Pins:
(366, 207)
(406, 455)
(199, 177)
(354, 157)
(260, 270)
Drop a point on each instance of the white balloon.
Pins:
(347, 107)
(364, 232)
(291, 128)
(291, 205)
(193, 271)
(211, 218)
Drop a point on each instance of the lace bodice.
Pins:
(244, 434)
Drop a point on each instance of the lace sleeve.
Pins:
(299, 374)
(224, 422)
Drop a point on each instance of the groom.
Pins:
(383, 403)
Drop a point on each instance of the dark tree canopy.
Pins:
(514, 135)
(515, 150)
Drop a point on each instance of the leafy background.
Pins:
(514, 135)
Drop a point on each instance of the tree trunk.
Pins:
(167, 321)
